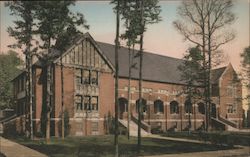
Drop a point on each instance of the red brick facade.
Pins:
(89, 96)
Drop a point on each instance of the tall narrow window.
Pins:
(94, 77)
(86, 102)
(158, 106)
(94, 103)
(78, 78)
(174, 107)
(78, 102)
(86, 77)
(188, 107)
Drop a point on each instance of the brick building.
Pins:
(88, 72)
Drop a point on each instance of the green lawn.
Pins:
(102, 146)
(230, 138)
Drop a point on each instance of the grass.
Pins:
(102, 146)
(234, 138)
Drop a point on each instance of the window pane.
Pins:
(86, 103)
(86, 76)
(94, 77)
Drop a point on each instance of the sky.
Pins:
(161, 38)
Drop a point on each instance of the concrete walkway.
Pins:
(242, 151)
(12, 149)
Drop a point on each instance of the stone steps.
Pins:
(133, 128)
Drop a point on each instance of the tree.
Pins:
(9, 63)
(192, 74)
(245, 62)
(130, 36)
(55, 20)
(138, 14)
(205, 23)
(117, 44)
(23, 33)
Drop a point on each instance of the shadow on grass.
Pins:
(102, 146)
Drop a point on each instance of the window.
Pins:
(143, 105)
(231, 108)
(78, 82)
(174, 108)
(94, 103)
(86, 77)
(78, 102)
(86, 102)
(201, 108)
(158, 106)
(91, 103)
(94, 77)
(188, 107)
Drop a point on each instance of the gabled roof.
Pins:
(155, 67)
(216, 74)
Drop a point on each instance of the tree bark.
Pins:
(129, 90)
(116, 78)
(140, 79)
(48, 97)
(62, 97)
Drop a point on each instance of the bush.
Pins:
(39, 134)
(157, 130)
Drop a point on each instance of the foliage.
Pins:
(192, 73)
(9, 63)
(246, 69)
(24, 25)
(55, 20)
(205, 23)
(131, 14)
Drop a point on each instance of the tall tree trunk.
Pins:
(48, 97)
(129, 89)
(62, 97)
(209, 74)
(116, 78)
(29, 91)
(140, 78)
(30, 95)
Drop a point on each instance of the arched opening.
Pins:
(158, 106)
(143, 105)
(123, 106)
(213, 110)
(174, 107)
(188, 107)
(201, 108)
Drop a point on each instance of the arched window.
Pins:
(201, 108)
(174, 107)
(158, 106)
(123, 105)
(143, 105)
(188, 107)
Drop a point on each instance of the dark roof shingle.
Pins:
(155, 67)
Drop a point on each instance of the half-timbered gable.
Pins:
(86, 54)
